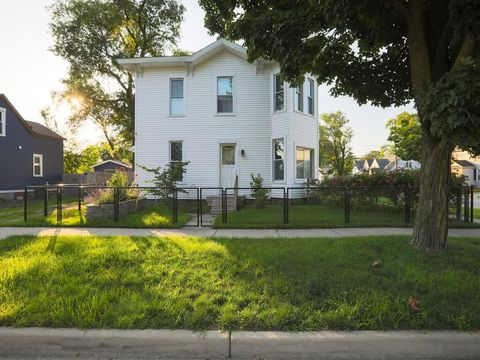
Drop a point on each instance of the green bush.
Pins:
(258, 192)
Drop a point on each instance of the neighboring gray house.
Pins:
(30, 153)
(111, 166)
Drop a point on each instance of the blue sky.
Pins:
(29, 72)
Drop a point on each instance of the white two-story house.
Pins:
(227, 117)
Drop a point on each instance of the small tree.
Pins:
(258, 192)
(165, 181)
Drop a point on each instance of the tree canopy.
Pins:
(406, 134)
(386, 52)
(335, 137)
(91, 35)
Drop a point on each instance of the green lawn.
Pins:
(198, 283)
(314, 216)
(152, 217)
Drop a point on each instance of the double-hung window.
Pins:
(177, 98)
(225, 94)
(304, 163)
(299, 98)
(37, 165)
(3, 122)
(310, 96)
(279, 93)
(176, 155)
(278, 160)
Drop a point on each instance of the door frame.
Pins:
(237, 158)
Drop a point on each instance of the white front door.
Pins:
(228, 167)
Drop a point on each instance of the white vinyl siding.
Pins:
(3, 122)
(37, 165)
(177, 97)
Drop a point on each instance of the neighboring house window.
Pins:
(278, 159)
(177, 103)
(176, 154)
(225, 94)
(310, 96)
(304, 163)
(299, 98)
(37, 165)
(279, 96)
(3, 122)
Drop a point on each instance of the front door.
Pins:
(228, 168)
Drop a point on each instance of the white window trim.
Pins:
(40, 156)
(3, 130)
(183, 156)
(234, 96)
(312, 162)
(170, 97)
(274, 99)
(284, 160)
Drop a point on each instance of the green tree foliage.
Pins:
(386, 52)
(165, 180)
(90, 35)
(80, 162)
(335, 137)
(406, 134)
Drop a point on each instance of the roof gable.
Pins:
(138, 64)
(34, 128)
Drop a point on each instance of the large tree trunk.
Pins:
(430, 229)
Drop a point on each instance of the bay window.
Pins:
(304, 163)
(278, 160)
(279, 93)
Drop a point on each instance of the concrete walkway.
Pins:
(38, 343)
(227, 233)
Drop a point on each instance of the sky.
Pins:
(29, 72)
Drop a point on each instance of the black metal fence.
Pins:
(277, 207)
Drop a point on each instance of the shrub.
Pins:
(120, 180)
(165, 181)
(258, 192)
(99, 196)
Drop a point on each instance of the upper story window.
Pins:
(299, 98)
(225, 94)
(37, 165)
(304, 163)
(3, 122)
(311, 96)
(177, 98)
(278, 160)
(279, 93)
(176, 154)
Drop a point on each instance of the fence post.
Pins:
(471, 203)
(174, 206)
(224, 207)
(45, 201)
(465, 204)
(199, 205)
(25, 203)
(80, 201)
(347, 205)
(285, 206)
(407, 205)
(59, 205)
(116, 204)
(459, 204)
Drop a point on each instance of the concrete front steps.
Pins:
(215, 203)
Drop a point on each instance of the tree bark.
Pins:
(430, 229)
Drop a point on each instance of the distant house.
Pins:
(31, 153)
(469, 169)
(111, 166)
(370, 166)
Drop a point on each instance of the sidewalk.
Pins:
(225, 233)
(42, 343)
